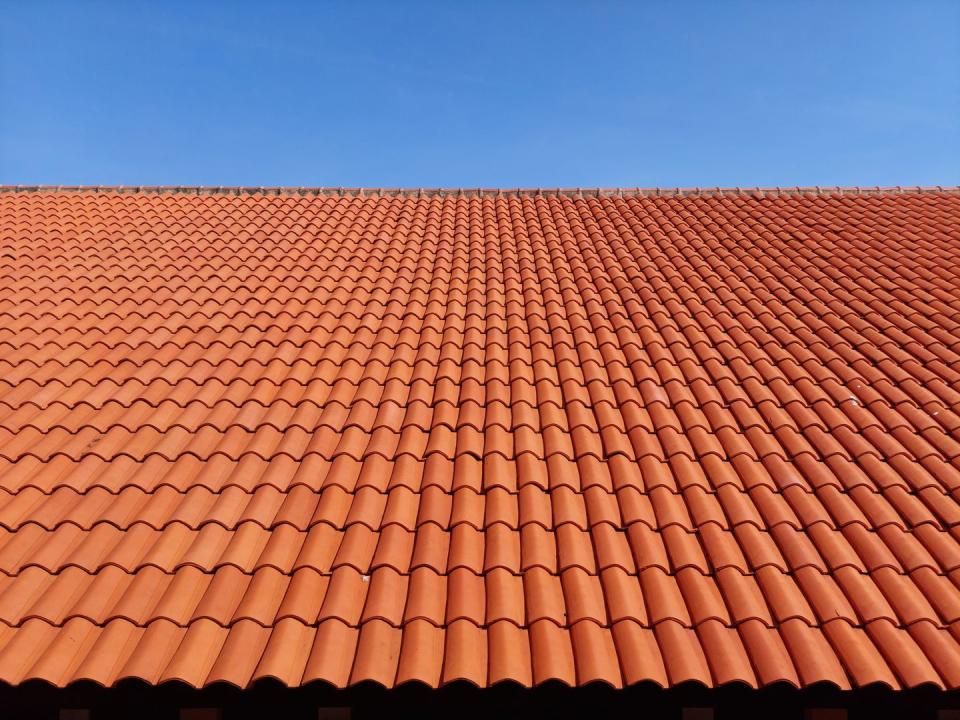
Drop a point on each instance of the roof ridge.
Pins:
(477, 192)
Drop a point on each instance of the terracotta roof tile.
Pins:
(597, 437)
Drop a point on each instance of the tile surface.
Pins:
(519, 437)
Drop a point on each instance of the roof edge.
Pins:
(480, 192)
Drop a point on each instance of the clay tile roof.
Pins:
(606, 436)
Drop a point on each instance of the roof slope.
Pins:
(518, 437)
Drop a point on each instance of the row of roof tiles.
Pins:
(828, 377)
(554, 381)
(266, 442)
(418, 430)
(835, 325)
(426, 405)
(488, 358)
(532, 361)
(250, 546)
(475, 300)
(658, 507)
(260, 191)
(218, 473)
(228, 595)
(396, 416)
(626, 653)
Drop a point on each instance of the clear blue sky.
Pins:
(458, 93)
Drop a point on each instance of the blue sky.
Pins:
(480, 94)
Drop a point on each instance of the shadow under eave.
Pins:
(271, 699)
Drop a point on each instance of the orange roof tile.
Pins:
(407, 436)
